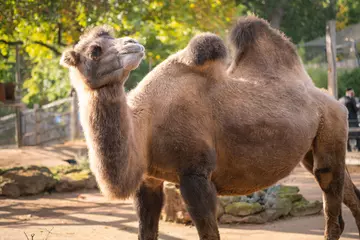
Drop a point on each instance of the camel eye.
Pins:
(95, 52)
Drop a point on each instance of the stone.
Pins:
(225, 200)
(183, 217)
(293, 197)
(228, 219)
(21, 181)
(243, 208)
(282, 189)
(256, 197)
(219, 209)
(283, 206)
(305, 208)
(288, 189)
(259, 218)
(174, 208)
(9, 188)
(76, 180)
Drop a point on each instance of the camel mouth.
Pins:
(133, 48)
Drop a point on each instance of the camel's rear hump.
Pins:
(261, 47)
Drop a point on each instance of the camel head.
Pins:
(99, 59)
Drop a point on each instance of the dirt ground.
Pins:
(42, 155)
(87, 215)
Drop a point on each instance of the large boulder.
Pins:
(259, 218)
(257, 208)
(305, 208)
(73, 177)
(82, 179)
(243, 208)
(21, 181)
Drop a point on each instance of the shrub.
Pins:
(346, 79)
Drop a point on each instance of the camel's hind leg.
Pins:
(330, 178)
(149, 201)
(351, 193)
(352, 198)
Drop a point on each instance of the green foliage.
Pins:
(46, 27)
(48, 82)
(346, 79)
(350, 78)
(319, 76)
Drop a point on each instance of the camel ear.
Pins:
(70, 58)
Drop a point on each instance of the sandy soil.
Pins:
(42, 155)
(87, 215)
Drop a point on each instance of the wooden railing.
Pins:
(51, 123)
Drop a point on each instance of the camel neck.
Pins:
(107, 122)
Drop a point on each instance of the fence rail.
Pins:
(51, 123)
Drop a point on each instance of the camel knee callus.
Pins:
(198, 122)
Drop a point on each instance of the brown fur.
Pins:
(214, 130)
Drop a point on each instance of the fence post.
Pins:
(18, 128)
(37, 124)
(331, 57)
(74, 123)
(18, 124)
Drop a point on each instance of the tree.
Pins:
(45, 28)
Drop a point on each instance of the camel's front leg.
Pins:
(149, 201)
(199, 195)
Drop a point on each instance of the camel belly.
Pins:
(246, 180)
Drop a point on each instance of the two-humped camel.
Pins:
(210, 128)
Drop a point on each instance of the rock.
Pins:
(304, 208)
(219, 209)
(283, 206)
(20, 181)
(281, 189)
(225, 200)
(183, 217)
(76, 180)
(253, 219)
(293, 197)
(277, 207)
(174, 208)
(9, 188)
(288, 189)
(227, 219)
(243, 208)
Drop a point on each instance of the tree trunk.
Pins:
(277, 14)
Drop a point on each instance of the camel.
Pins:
(209, 126)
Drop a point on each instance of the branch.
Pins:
(48, 46)
(52, 48)
(11, 43)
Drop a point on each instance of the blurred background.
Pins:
(38, 31)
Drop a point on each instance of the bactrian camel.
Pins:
(207, 125)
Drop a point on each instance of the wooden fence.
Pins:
(52, 123)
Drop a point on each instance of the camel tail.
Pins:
(205, 48)
(356, 190)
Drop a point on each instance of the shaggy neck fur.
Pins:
(108, 127)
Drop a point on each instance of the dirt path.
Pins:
(42, 155)
(87, 215)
